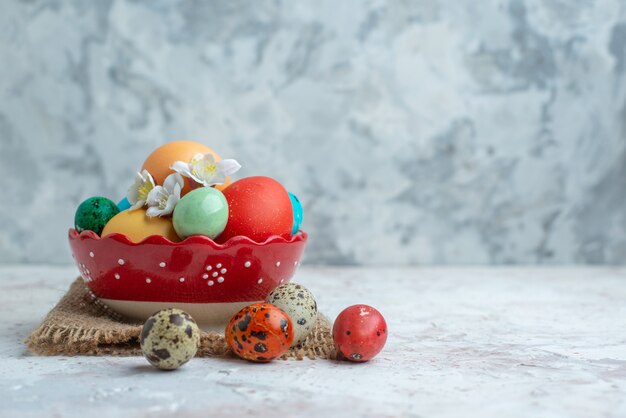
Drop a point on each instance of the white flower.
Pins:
(203, 169)
(163, 199)
(138, 193)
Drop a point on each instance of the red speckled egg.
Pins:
(258, 207)
(360, 332)
(259, 332)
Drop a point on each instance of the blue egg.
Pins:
(123, 204)
(297, 213)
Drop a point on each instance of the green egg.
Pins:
(202, 211)
(94, 213)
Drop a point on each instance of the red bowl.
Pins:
(210, 281)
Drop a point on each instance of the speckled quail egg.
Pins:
(170, 338)
(299, 304)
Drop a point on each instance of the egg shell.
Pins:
(259, 332)
(298, 213)
(137, 226)
(202, 211)
(299, 304)
(161, 159)
(258, 207)
(94, 213)
(170, 338)
(123, 204)
(359, 333)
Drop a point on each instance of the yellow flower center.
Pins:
(204, 170)
(144, 189)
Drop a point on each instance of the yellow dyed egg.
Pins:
(137, 226)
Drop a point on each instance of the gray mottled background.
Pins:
(417, 132)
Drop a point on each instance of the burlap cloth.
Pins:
(80, 325)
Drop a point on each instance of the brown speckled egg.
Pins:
(170, 338)
(299, 304)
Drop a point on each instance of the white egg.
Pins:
(298, 302)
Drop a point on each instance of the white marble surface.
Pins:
(414, 132)
(463, 342)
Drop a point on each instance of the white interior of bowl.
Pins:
(209, 316)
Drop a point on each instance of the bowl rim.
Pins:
(237, 240)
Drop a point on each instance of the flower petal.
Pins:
(153, 196)
(171, 181)
(199, 174)
(208, 159)
(133, 191)
(153, 211)
(181, 168)
(147, 177)
(138, 205)
(178, 188)
(139, 178)
(198, 180)
(132, 195)
(170, 205)
(196, 164)
(228, 166)
(218, 178)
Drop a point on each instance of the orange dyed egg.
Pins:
(260, 332)
(159, 162)
(137, 226)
